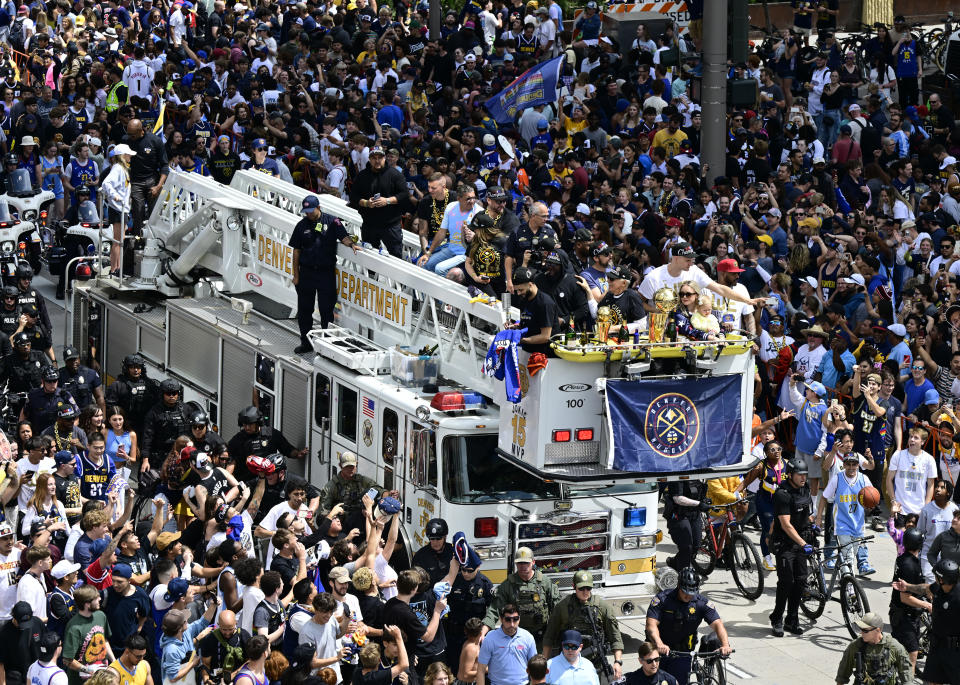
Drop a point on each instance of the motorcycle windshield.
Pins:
(87, 213)
(20, 183)
(5, 213)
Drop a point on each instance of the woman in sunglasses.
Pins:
(689, 299)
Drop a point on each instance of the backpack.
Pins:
(232, 656)
(17, 35)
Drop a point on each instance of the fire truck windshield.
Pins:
(473, 473)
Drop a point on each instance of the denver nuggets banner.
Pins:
(665, 426)
(533, 87)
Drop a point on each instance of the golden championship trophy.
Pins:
(665, 300)
(604, 321)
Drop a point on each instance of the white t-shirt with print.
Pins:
(910, 483)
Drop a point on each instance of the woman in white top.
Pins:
(44, 505)
(116, 192)
(893, 204)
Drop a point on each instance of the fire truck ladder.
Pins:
(241, 233)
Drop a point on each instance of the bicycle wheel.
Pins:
(925, 624)
(813, 598)
(704, 560)
(853, 602)
(745, 565)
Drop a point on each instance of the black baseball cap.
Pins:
(682, 249)
(523, 275)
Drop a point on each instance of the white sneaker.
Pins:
(770, 563)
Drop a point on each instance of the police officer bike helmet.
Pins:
(134, 360)
(24, 271)
(168, 386)
(10, 291)
(67, 410)
(912, 540)
(249, 415)
(11, 158)
(797, 465)
(279, 462)
(947, 572)
(21, 339)
(437, 529)
(50, 373)
(199, 419)
(689, 580)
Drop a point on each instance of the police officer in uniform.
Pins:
(41, 407)
(314, 242)
(470, 597)
(874, 657)
(683, 502)
(30, 295)
(9, 311)
(793, 535)
(905, 608)
(943, 661)
(594, 619)
(255, 439)
(134, 391)
(81, 382)
(204, 439)
(164, 423)
(39, 335)
(436, 557)
(21, 369)
(534, 594)
(672, 621)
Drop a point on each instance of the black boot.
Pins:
(777, 625)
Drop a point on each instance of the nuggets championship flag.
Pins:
(664, 426)
(535, 86)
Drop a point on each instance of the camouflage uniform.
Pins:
(348, 492)
(885, 663)
(571, 614)
(535, 598)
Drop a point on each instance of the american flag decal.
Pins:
(368, 407)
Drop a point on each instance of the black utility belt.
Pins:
(946, 641)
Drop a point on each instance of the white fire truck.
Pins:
(211, 304)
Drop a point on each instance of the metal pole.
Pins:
(436, 16)
(713, 149)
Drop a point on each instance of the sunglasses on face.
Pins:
(651, 661)
(570, 645)
(510, 619)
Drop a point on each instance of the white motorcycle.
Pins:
(31, 206)
(14, 246)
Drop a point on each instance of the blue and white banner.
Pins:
(535, 86)
(668, 426)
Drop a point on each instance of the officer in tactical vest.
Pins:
(133, 391)
(81, 382)
(166, 421)
(530, 591)
(314, 242)
(9, 311)
(875, 658)
(583, 611)
(21, 369)
(255, 439)
(672, 621)
(39, 335)
(943, 660)
(470, 597)
(436, 557)
(41, 407)
(791, 542)
(30, 295)
(205, 439)
(906, 609)
(348, 487)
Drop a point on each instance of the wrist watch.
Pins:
(618, 662)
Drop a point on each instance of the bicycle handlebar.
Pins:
(715, 652)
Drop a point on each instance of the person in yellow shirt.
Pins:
(723, 491)
(576, 122)
(669, 138)
(132, 664)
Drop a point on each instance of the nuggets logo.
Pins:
(671, 425)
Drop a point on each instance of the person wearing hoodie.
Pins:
(177, 640)
(947, 544)
(936, 517)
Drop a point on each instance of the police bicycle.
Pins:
(816, 591)
(723, 539)
(706, 667)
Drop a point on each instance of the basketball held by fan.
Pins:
(869, 497)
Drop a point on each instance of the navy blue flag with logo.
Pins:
(535, 86)
(664, 426)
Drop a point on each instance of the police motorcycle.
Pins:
(16, 237)
(88, 236)
(31, 206)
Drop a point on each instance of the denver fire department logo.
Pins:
(672, 425)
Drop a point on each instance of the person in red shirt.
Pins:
(99, 573)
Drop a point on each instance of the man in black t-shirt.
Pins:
(436, 557)
(397, 612)
(68, 485)
(538, 312)
(431, 207)
(219, 650)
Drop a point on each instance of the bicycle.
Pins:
(738, 552)
(816, 592)
(706, 668)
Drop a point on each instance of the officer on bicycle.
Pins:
(133, 391)
(875, 657)
(672, 621)
(793, 533)
(943, 661)
(80, 381)
(905, 608)
(684, 502)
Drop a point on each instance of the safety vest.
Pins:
(113, 100)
